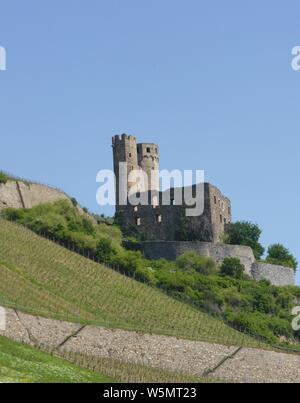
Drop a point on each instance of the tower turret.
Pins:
(124, 150)
(148, 160)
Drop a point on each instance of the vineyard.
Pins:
(40, 277)
(23, 364)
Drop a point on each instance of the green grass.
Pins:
(40, 277)
(23, 364)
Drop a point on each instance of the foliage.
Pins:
(63, 221)
(104, 250)
(247, 234)
(74, 202)
(3, 178)
(232, 267)
(278, 254)
(191, 261)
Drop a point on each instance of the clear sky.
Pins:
(210, 81)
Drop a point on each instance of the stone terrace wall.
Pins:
(18, 194)
(277, 275)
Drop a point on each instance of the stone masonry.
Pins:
(18, 194)
(156, 220)
(277, 275)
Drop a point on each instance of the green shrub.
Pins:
(278, 254)
(105, 251)
(263, 301)
(12, 214)
(190, 261)
(74, 202)
(3, 178)
(247, 234)
(232, 267)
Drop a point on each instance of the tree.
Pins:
(278, 254)
(232, 267)
(247, 234)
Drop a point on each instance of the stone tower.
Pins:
(124, 150)
(148, 161)
(137, 157)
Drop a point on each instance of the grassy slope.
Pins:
(23, 364)
(40, 277)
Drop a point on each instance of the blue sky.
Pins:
(210, 81)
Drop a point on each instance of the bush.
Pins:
(253, 324)
(74, 202)
(263, 302)
(12, 214)
(3, 178)
(278, 254)
(105, 251)
(232, 267)
(247, 234)
(190, 261)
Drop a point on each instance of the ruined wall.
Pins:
(277, 275)
(17, 194)
(220, 211)
(171, 250)
(169, 222)
(156, 221)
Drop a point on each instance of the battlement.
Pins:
(122, 138)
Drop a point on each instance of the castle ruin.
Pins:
(157, 221)
(164, 230)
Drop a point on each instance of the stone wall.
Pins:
(171, 250)
(17, 194)
(277, 275)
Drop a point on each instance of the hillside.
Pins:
(23, 364)
(258, 308)
(40, 277)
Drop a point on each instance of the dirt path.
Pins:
(190, 357)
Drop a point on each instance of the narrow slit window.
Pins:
(158, 218)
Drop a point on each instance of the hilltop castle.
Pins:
(156, 221)
(164, 230)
